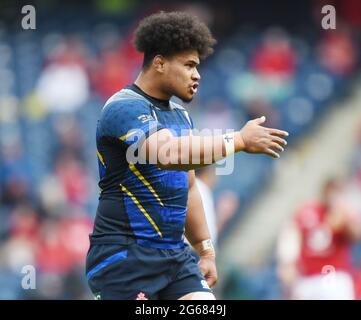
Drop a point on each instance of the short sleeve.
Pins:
(129, 121)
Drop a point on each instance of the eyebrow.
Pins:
(193, 62)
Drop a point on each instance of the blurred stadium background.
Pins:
(272, 58)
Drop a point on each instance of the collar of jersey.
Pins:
(161, 104)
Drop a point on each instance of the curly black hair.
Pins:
(168, 33)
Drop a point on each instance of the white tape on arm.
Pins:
(205, 247)
(228, 140)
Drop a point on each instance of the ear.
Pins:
(158, 63)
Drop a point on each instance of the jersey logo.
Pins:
(145, 117)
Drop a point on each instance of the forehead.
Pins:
(191, 56)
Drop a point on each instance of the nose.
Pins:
(196, 76)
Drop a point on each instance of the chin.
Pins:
(187, 99)
(185, 96)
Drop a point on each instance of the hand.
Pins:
(207, 264)
(258, 139)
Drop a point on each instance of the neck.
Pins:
(150, 85)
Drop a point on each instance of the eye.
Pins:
(189, 65)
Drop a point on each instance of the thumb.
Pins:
(260, 120)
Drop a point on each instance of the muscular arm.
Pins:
(196, 230)
(190, 152)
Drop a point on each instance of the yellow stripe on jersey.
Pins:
(134, 199)
(101, 158)
(187, 116)
(127, 135)
(146, 183)
(154, 114)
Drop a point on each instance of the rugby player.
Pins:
(137, 248)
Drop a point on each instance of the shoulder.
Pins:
(121, 112)
(120, 104)
(124, 99)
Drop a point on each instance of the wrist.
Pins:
(205, 248)
(233, 142)
(229, 143)
(239, 144)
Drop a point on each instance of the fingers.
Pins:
(272, 148)
(276, 132)
(259, 139)
(260, 120)
(279, 140)
(211, 280)
(272, 153)
(211, 277)
(208, 270)
(276, 146)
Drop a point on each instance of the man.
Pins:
(145, 207)
(314, 250)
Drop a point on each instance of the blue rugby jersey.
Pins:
(139, 200)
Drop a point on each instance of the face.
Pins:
(181, 77)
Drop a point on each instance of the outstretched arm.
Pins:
(197, 233)
(191, 152)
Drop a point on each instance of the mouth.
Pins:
(194, 88)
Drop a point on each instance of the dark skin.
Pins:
(178, 76)
(175, 76)
(196, 230)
